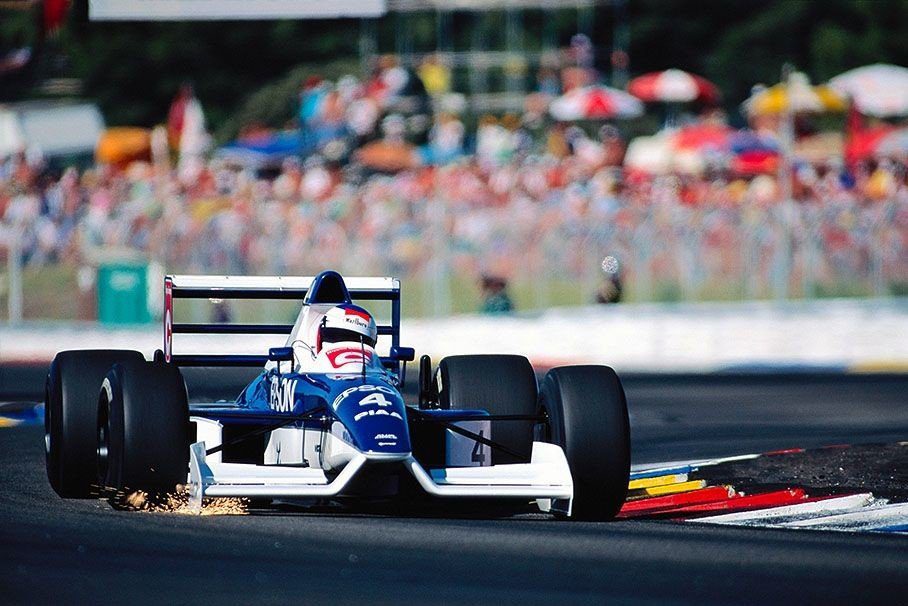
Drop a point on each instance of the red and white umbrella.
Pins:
(673, 86)
(595, 103)
(877, 90)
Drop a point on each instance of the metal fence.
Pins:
(549, 246)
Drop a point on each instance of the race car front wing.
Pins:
(545, 479)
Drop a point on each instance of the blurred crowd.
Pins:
(402, 116)
(515, 215)
(383, 176)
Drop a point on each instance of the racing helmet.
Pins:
(346, 323)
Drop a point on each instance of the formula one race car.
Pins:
(325, 421)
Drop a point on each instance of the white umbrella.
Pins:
(649, 154)
(877, 90)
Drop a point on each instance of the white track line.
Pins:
(669, 465)
(866, 519)
(792, 513)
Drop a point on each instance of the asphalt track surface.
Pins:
(55, 551)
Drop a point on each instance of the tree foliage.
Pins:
(133, 69)
(739, 43)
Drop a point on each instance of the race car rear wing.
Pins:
(272, 288)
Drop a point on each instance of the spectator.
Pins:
(495, 299)
(610, 288)
(435, 75)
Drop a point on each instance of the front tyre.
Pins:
(70, 415)
(587, 416)
(499, 384)
(142, 429)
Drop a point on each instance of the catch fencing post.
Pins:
(784, 250)
(439, 266)
(14, 270)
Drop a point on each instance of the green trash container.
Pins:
(123, 294)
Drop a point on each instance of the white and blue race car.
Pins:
(325, 420)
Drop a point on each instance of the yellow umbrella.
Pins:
(796, 96)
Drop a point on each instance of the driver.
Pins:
(344, 340)
(346, 324)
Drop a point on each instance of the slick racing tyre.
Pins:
(587, 417)
(142, 429)
(499, 384)
(70, 418)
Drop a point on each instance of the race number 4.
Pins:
(465, 451)
(375, 395)
(377, 398)
(478, 455)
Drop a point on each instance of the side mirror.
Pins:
(280, 354)
(403, 354)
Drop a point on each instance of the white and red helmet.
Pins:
(346, 323)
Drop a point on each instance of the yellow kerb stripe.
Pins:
(671, 488)
(674, 478)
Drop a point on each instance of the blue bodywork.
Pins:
(370, 408)
(369, 405)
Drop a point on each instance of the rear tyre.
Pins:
(70, 416)
(587, 417)
(142, 422)
(500, 384)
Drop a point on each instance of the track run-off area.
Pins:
(57, 551)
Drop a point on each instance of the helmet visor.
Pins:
(328, 334)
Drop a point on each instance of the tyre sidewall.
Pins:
(149, 420)
(71, 402)
(587, 417)
(110, 407)
(53, 434)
